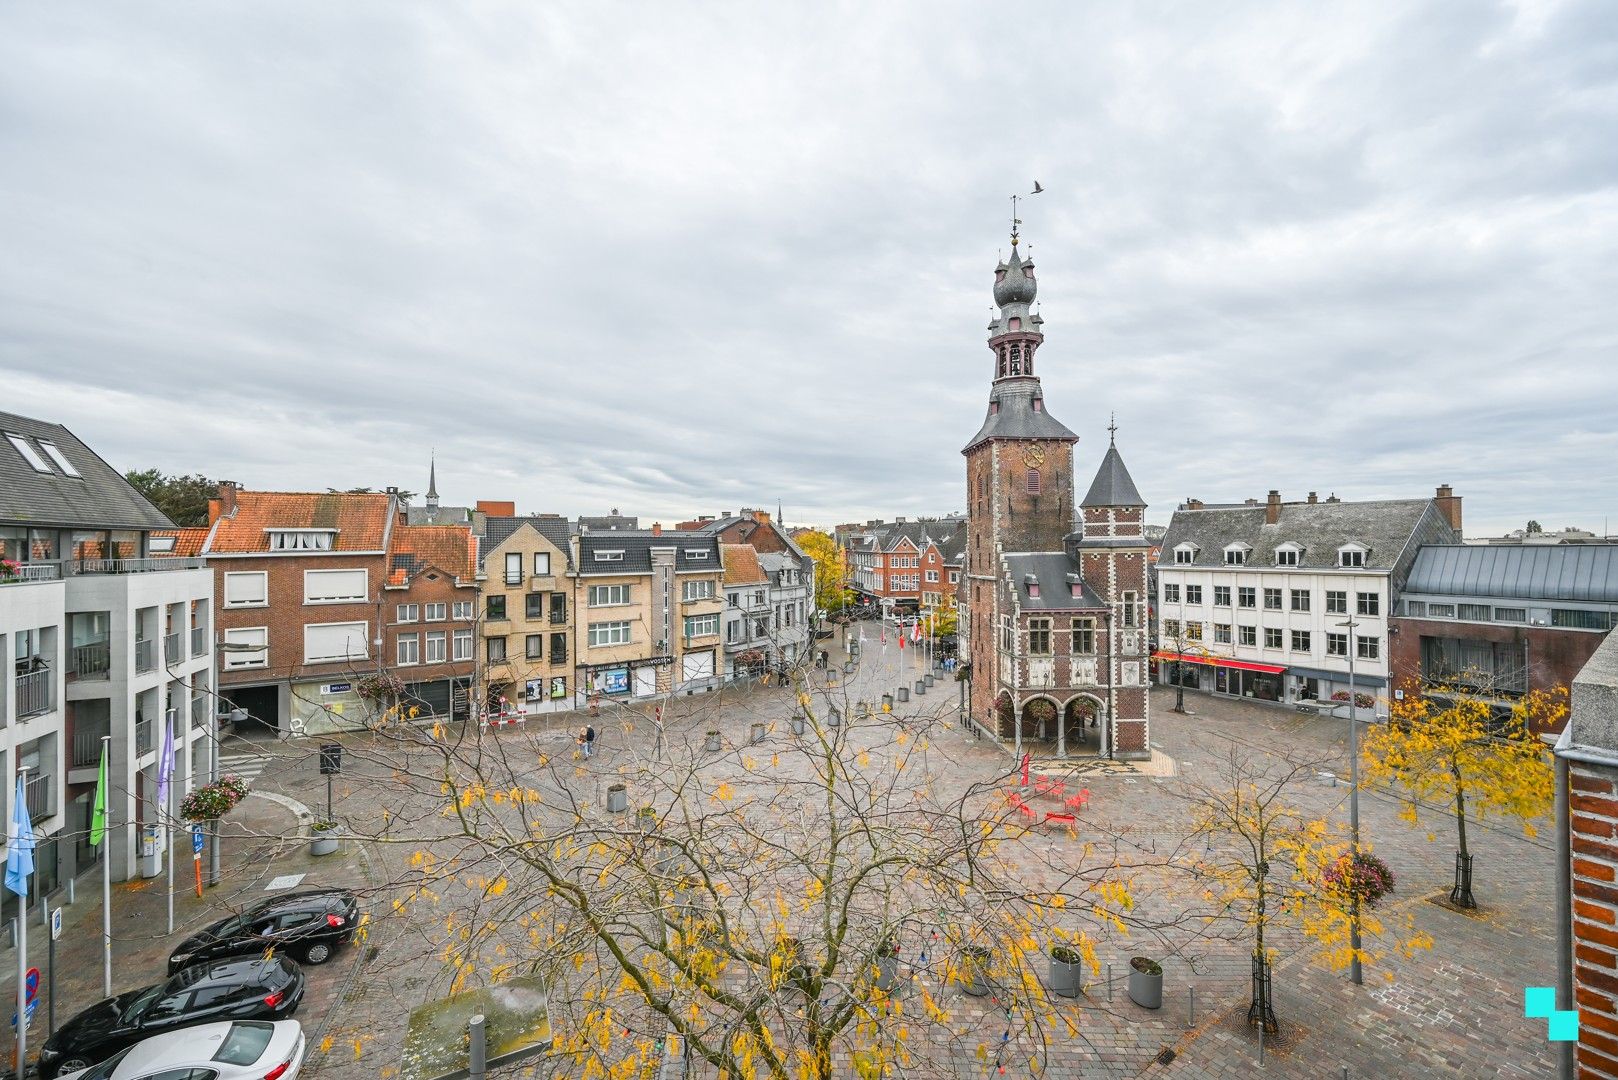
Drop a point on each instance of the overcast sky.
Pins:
(679, 258)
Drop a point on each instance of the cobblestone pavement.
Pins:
(259, 842)
(1451, 1012)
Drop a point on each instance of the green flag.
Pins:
(98, 819)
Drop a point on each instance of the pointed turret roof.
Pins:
(432, 478)
(1112, 485)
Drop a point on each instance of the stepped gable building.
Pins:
(1052, 594)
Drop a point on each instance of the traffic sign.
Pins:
(33, 1006)
(196, 841)
(31, 983)
(56, 923)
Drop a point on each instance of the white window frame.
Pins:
(932, 576)
(430, 655)
(247, 635)
(407, 613)
(56, 455)
(434, 612)
(542, 559)
(621, 591)
(708, 625)
(264, 589)
(407, 650)
(608, 635)
(463, 645)
(462, 610)
(608, 556)
(363, 636)
(301, 539)
(1289, 554)
(696, 554)
(1185, 554)
(29, 454)
(513, 573)
(1357, 551)
(701, 589)
(1236, 554)
(347, 598)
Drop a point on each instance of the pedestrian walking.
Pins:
(587, 740)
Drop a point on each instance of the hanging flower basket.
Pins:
(9, 571)
(1361, 875)
(213, 801)
(384, 687)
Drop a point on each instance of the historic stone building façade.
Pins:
(1054, 595)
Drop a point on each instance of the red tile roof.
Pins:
(741, 565)
(361, 521)
(187, 542)
(448, 547)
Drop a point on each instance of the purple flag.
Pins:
(165, 762)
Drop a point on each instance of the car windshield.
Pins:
(104, 1070)
(142, 1003)
(245, 1043)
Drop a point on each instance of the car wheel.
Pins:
(72, 1064)
(318, 953)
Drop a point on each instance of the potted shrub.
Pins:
(1067, 972)
(9, 571)
(975, 970)
(617, 798)
(799, 724)
(646, 819)
(1146, 982)
(323, 836)
(711, 742)
(887, 965)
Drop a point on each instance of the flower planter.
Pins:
(1067, 973)
(617, 799)
(324, 841)
(799, 725)
(756, 733)
(1146, 983)
(646, 819)
(887, 973)
(975, 970)
(711, 742)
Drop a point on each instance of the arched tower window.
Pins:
(1028, 359)
(1002, 363)
(1016, 359)
(1033, 481)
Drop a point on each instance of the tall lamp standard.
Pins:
(1354, 975)
(213, 755)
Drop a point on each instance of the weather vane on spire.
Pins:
(1015, 220)
(1112, 430)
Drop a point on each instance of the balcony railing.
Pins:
(87, 744)
(145, 656)
(37, 797)
(199, 641)
(558, 618)
(199, 711)
(173, 651)
(87, 661)
(33, 694)
(34, 571)
(74, 567)
(143, 737)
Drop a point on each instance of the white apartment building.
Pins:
(104, 640)
(1272, 601)
(792, 589)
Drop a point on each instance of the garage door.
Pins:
(645, 681)
(698, 666)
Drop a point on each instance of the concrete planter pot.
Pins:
(756, 734)
(887, 973)
(1146, 983)
(1067, 973)
(646, 819)
(617, 799)
(799, 725)
(324, 841)
(975, 970)
(711, 742)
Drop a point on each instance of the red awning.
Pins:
(1218, 661)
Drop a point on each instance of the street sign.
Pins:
(31, 985)
(196, 842)
(33, 1006)
(331, 758)
(56, 923)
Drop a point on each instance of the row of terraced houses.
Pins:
(300, 613)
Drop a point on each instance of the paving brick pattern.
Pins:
(1451, 1012)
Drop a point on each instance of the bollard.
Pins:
(477, 1056)
(1191, 1020)
(1109, 982)
(1261, 1042)
(70, 892)
(921, 686)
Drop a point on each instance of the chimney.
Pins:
(657, 528)
(1449, 504)
(225, 504)
(1272, 509)
(762, 517)
(1313, 498)
(1332, 498)
(1250, 502)
(1193, 504)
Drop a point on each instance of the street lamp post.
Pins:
(213, 755)
(1354, 975)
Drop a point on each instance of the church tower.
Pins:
(1051, 616)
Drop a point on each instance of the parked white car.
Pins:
(239, 1050)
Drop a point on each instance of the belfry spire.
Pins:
(432, 482)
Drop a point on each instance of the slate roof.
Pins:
(1390, 531)
(637, 547)
(742, 566)
(1012, 415)
(774, 562)
(556, 529)
(448, 547)
(361, 520)
(953, 550)
(438, 515)
(99, 497)
(1576, 572)
(1113, 485)
(1050, 569)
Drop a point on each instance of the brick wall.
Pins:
(286, 613)
(1593, 805)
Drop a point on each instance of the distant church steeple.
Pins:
(432, 483)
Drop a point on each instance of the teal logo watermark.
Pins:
(1540, 1002)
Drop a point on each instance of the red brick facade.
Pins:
(1593, 807)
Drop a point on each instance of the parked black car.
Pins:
(309, 925)
(259, 989)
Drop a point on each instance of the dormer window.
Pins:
(609, 556)
(1185, 554)
(1236, 555)
(1031, 585)
(1351, 555)
(1287, 555)
(695, 555)
(1014, 324)
(301, 539)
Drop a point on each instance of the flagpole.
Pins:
(106, 879)
(22, 930)
(166, 769)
